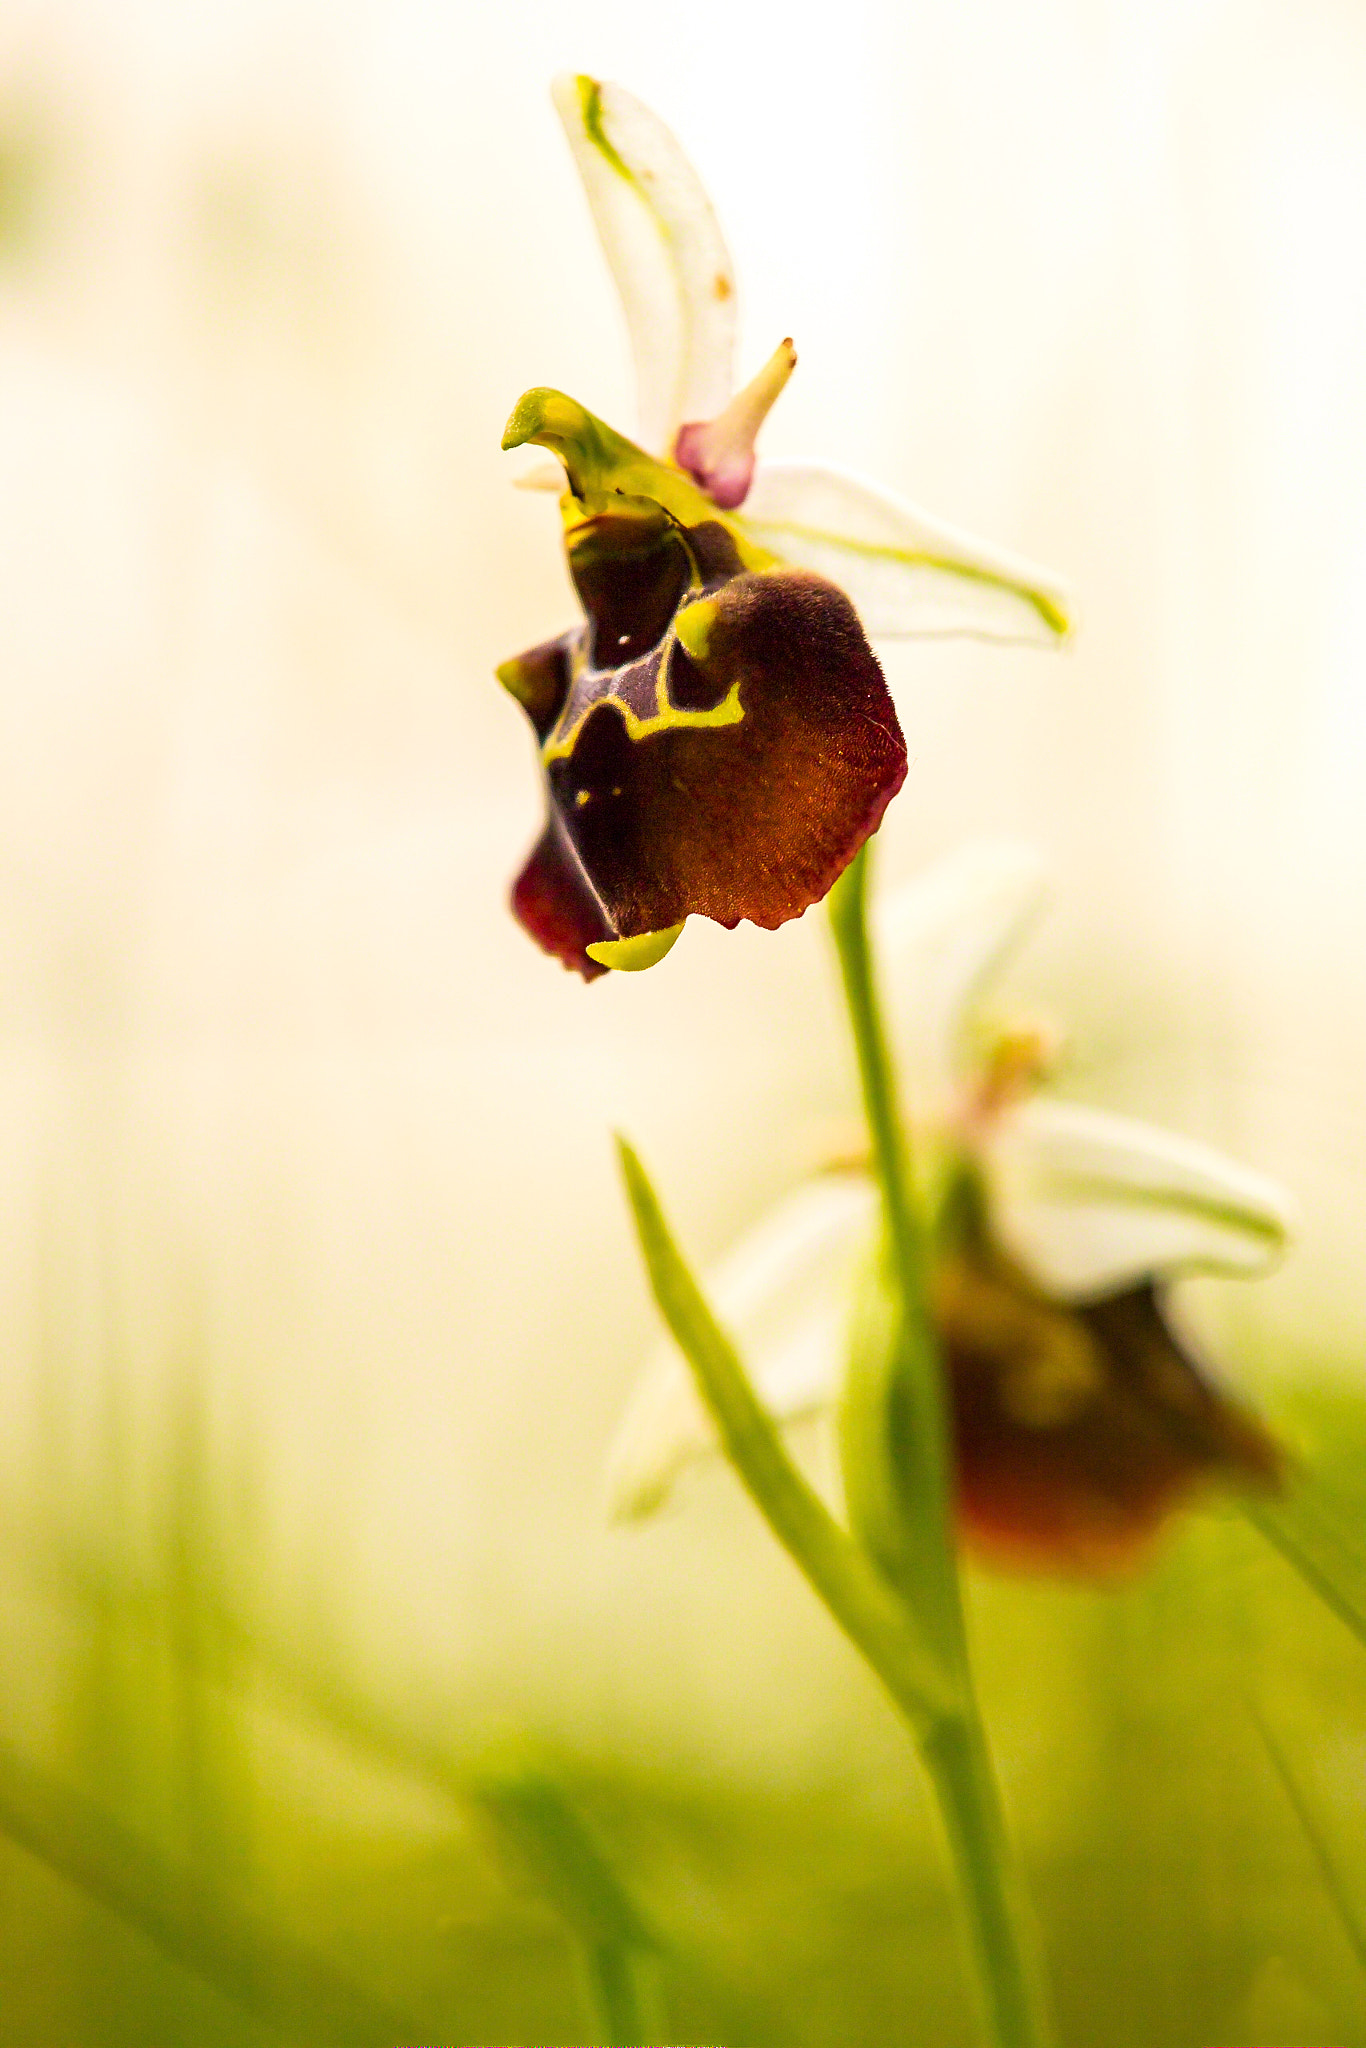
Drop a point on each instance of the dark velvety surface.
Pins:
(1078, 1430)
(655, 816)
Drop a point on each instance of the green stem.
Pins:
(626, 2010)
(899, 1486)
(900, 1501)
(1008, 1973)
(877, 1620)
(838, 1569)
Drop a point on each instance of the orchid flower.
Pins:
(717, 738)
(1079, 1418)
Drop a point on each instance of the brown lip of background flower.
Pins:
(717, 738)
(1079, 1428)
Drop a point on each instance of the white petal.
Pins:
(1090, 1203)
(941, 936)
(545, 474)
(906, 572)
(783, 1295)
(665, 250)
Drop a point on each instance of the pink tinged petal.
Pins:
(908, 573)
(719, 454)
(1091, 1203)
(783, 1293)
(942, 935)
(665, 250)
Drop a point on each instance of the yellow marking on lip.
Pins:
(693, 626)
(668, 718)
(633, 956)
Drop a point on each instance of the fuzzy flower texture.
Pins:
(716, 738)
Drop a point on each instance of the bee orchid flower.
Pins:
(716, 738)
(1080, 1419)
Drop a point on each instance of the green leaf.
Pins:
(1328, 1562)
(1349, 1913)
(552, 1850)
(860, 1599)
(228, 1944)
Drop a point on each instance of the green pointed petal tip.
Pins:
(589, 92)
(546, 417)
(594, 455)
(1052, 613)
(599, 461)
(633, 956)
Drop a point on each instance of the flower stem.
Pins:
(866, 1607)
(881, 1623)
(899, 1487)
(625, 2007)
(1009, 1976)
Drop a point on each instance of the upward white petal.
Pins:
(1090, 1202)
(942, 935)
(783, 1294)
(665, 250)
(906, 572)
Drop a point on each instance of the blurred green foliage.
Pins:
(208, 1835)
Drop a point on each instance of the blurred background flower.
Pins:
(1054, 1232)
(295, 1119)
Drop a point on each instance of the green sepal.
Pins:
(603, 465)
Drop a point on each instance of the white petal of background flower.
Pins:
(666, 252)
(782, 1293)
(1090, 1202)
(909, 573)
(941, 936)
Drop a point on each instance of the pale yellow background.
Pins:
(279, 1078)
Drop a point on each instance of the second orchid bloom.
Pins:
(1079, 1417)
(716, 738)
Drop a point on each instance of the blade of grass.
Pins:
(1350, 1918)
(237, 1951)
(552, 1849)
(1318, 1554)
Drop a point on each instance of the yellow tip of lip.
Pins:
(693, 626)
(633, 956)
